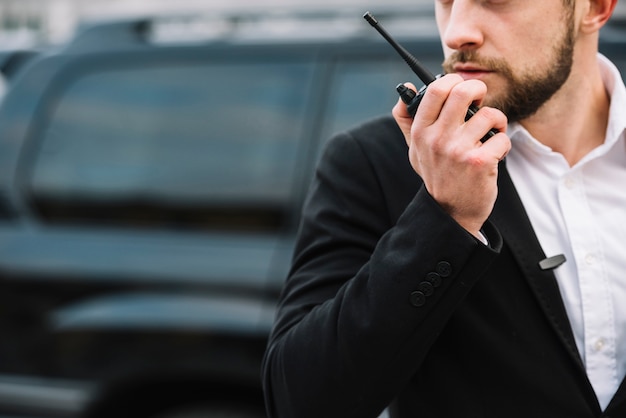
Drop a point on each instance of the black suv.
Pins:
(151, 178)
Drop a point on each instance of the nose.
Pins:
(461, 25)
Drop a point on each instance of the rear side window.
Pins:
(366, 88)
(195, 145)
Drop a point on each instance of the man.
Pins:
(457, 282)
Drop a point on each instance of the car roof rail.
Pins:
(250, 26)
(263, 24)
(12, 61)
(101, 35)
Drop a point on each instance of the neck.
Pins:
(573, 122)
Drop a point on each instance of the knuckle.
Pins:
(469, 90)
(474, 159)
(478, 86)
(459, 154)
(437, 146)
(491, 116)
(442, 86)
(459, 93)
(452, 77)
(491, 113)
(436, 90)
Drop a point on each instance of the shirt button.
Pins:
(599, 345)
(418, 299)
(569, 183)
(590, 259)
(444, 269)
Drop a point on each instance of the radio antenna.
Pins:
(422, 72)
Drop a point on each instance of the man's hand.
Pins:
(459, 171)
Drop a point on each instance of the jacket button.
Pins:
(418, 299)
(426, 288)
(434, 279)
(444, 269)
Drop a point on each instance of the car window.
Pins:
(365, 88)
(199, 144)
(368, 88)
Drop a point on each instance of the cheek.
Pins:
(525, 57)
(541, 60)
(535, 42)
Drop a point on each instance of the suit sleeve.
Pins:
(368, 292)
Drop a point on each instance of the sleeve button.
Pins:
(426, 288)
(444, 269)
(418, 299)
(434, 279)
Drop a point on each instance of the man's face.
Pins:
(522, 67)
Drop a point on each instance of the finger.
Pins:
(485, 119)
(435, 97)
(497, 148)
(461, 97)
(402, 116)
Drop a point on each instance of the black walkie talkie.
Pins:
(408, 96)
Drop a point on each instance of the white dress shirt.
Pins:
(580, 212)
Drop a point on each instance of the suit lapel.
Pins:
(510, 217)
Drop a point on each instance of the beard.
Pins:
(525, 93)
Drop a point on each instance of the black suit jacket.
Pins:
(389, 301)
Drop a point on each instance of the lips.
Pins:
(469, 71)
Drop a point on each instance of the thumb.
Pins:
(402, 116)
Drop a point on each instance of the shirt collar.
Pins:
(617, 91)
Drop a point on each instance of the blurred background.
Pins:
(29, 22)
(154, 156)
(24, 22)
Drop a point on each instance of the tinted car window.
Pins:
(201, 140)
(365, 88)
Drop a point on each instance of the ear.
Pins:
(597, 14)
